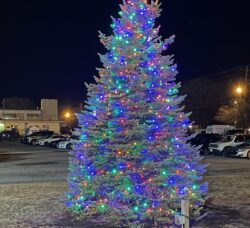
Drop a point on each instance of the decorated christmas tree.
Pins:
(132, 165)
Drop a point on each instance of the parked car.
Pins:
(219, 129)
(35, 140)
(38, 135)
(223, 146)
(243, 152)
(24, 139)
(235, 131)
(204, 140)
(9, 135)
(47, 140)
(68, 144)
(64, 138)
(233, 151)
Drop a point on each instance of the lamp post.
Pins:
(241, 100)
(240, 92)
(67, 117)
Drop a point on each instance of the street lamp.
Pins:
(67, 115)
(239, 90)
(241, 95)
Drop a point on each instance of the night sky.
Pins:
(48, 49)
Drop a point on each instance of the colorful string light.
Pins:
(132, 165)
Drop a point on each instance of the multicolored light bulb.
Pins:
(132, 164)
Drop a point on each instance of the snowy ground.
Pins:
(38, 202)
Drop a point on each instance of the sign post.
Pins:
(185, 212)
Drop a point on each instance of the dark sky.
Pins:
(48, 48)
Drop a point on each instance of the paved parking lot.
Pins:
(228, 166)
(25, 163)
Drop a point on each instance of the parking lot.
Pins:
(25, 163)
(33, 179)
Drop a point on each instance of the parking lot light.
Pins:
(239, 90)
(67, 115)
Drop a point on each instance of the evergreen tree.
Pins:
(133, 165)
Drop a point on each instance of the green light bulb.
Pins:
(194, 187)
(114, 171)
(136, 208)
(164, 173)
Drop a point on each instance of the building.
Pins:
(45, 118)
(206, 94)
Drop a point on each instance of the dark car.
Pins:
(9, 135)
(203, 140)
(235, 131)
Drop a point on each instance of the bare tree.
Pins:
(227, 114)
(237, 112)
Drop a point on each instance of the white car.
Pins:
(47, 141)
(67, 144)
(227, 142)
(33, 140)
(219, 129)
(243, 152)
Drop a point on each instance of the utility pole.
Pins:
(247, 83)
(246, 100)
(246, 74)
(3, 107)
